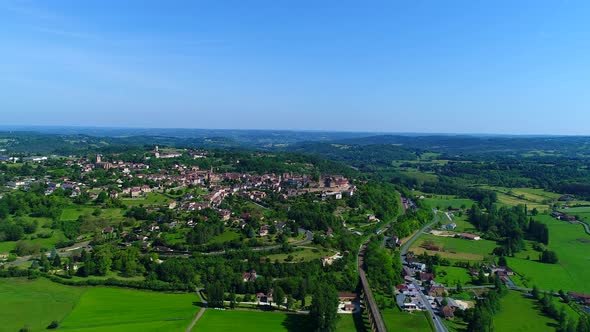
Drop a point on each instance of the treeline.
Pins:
(412, 220)
(34, 202)
(313, 216)
(381, 198)
(565, 324)
(480, 318)
(445, 186)
(509, 225)
(383, 271)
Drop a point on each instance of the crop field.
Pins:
(36, 303)
(456, 248)
(572, 245)
(520, 314)
(396, 320)
(100, 308)
(444, 201)
(229, 320)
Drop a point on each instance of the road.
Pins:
(409, 243)
(308, 239)
(200, 313)
(63, 252)
(438, 325)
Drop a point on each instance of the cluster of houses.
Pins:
(563, 216)
(420, 287)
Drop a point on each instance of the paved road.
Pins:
(409, 243)
(438, 325)
(63, 252)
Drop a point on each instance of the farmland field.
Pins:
(228, 320)
(444, 201)
(519, 313)
(572, 245)
(396, 320)
(20, 298)
(455, 248)
(91, 308)
(100, 308)
(449, 275)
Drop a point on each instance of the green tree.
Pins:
(324, 307)
(279, 296)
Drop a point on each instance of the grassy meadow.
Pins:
(520, 314)
(38, 302)
(230, 320)
(455, 248)
(396, 320)
(572, 245)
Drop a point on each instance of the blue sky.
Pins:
(520, 67)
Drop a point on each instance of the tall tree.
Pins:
(324, 308)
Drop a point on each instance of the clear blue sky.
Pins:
(394, 66)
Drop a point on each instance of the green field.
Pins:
(456, 248)
(444, 201)
(463, 225)
(33, 239)
(450, 275)
(519, 313)
(224, 237)
(572, 245)
(100, 308)
(230, 320)
(150, 199)
(301, 255)
(36, 303)
(399, 321)
(72, 213)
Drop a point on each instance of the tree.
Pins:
(535, 292)
(279, 296)
(54, 324)
(502, 261)
(324, 307)
(290, 302)
(215, 293)
(45, 265)
(549, 256)
(56, 261)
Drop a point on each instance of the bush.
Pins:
(549, 256)
(54, 324)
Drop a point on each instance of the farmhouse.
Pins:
(249, 276)
(470, 236)
(448, 312)
(344, 297)
(580, 297)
